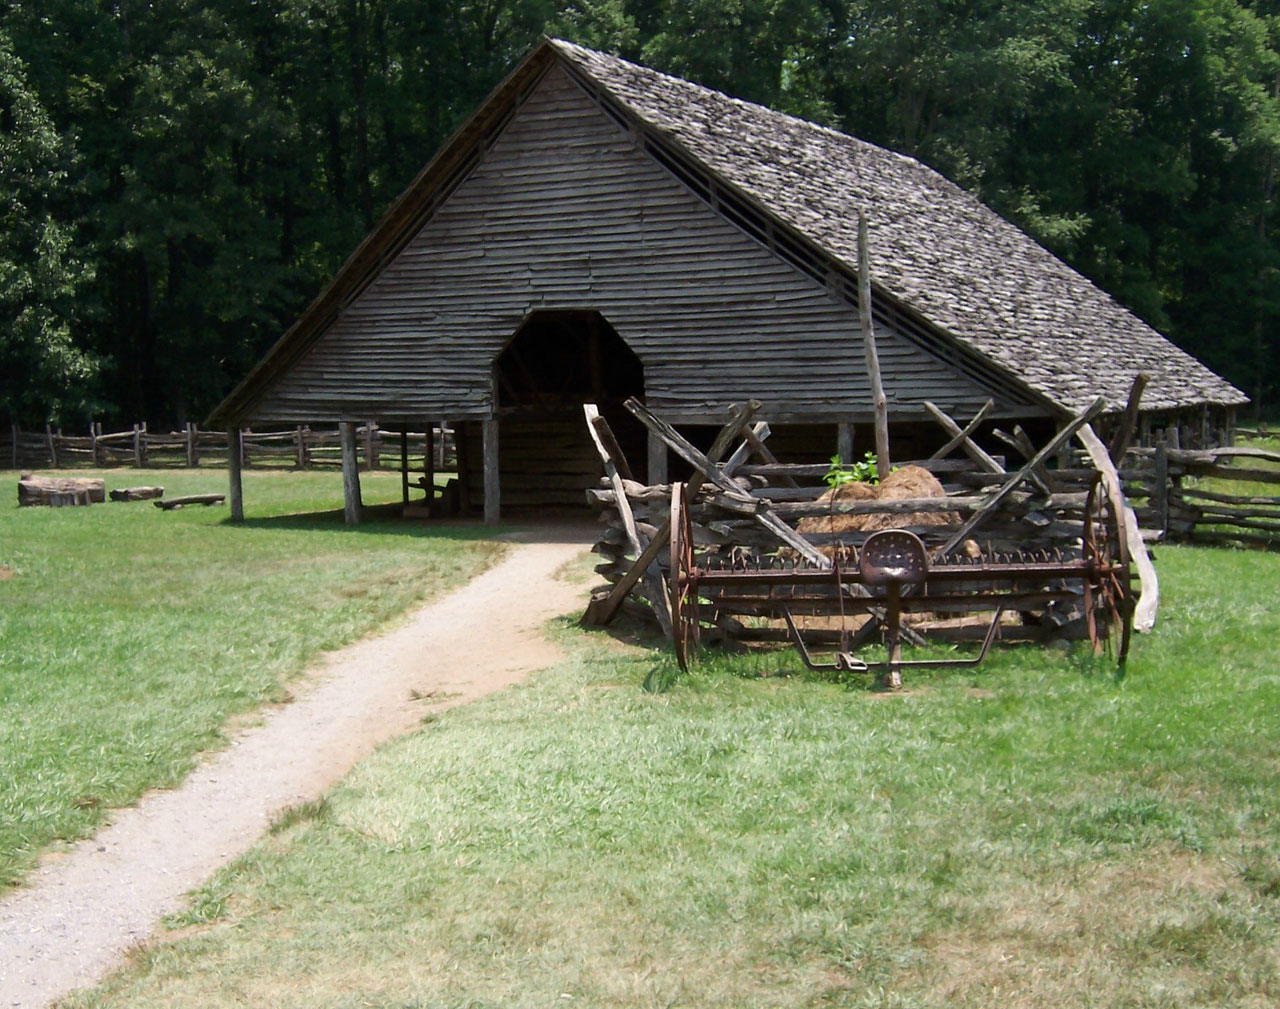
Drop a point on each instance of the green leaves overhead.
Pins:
(179, 181)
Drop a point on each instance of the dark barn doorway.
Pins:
(556, 361)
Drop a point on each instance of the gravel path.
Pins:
(81, 911)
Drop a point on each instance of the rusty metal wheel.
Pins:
(684, 594)
(1108, 588)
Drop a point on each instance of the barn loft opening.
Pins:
(556, 361)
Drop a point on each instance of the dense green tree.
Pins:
(43, 371)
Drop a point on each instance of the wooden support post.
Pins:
(657, 468)
(235, 490)
(300, 447)
(404, 465)
(137, 445)
(93, 441)
(492, 483)
(439, 460)
(844, 442)
(429, 459)
(883, 464)
(53, 449)
(351, 504)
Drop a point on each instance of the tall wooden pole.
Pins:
(883, 464)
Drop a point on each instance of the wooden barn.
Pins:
(598, 230)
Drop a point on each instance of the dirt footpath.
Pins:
(80, 912)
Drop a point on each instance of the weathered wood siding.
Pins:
(566, 212)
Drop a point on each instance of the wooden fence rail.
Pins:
(299, 447)
(1167, 487)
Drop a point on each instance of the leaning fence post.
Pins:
(137, 446)
(53, 451)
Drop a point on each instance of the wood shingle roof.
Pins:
(934, 247)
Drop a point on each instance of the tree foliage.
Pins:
(40, 277)
(179, 180)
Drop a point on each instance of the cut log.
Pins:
(60, 491)
(136, 493)
(191, 499)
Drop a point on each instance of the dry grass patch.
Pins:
(1166, 929)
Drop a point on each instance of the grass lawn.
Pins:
(1037, 832)
(129, 636)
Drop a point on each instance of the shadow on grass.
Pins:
(382, 520)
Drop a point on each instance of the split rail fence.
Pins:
(300, 447)
(1222, 495)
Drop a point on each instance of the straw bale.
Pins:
(907, 482)
(852, 491)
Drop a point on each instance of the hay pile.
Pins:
(907, 482)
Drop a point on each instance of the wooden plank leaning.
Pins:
(1144, 614)
(651, 585)
(961, 435)
(1123, 436)
(600, 611)
(1012, 484)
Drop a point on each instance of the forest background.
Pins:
(178, 178)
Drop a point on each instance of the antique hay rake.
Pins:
(892, 575)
